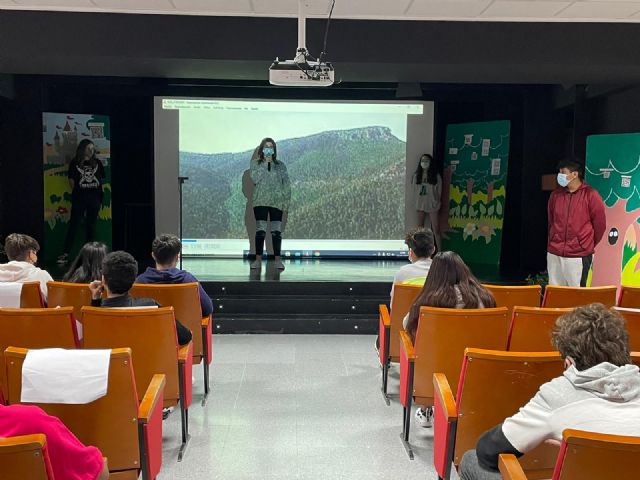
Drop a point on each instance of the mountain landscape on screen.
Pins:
(345, 184)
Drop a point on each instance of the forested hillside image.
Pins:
(345, 184)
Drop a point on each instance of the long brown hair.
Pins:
(432, 171)
(447, 276)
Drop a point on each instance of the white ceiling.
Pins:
(468, 10)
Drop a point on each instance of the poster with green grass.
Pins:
(613, 169)
(474, 190)
(61, 135)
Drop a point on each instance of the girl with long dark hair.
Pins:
(271, 198)
(428, 186)
(87, 266)
(85, 174)
(449, 284)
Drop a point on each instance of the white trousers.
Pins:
(568, 272)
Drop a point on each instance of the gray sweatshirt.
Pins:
(272, 186)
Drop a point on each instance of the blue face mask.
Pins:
(563, 181)
(267, 151)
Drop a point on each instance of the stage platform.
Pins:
(309, 296)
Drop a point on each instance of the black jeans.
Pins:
(263, 214)
(81, 205)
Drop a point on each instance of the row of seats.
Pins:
(473, 389)
(145, 358)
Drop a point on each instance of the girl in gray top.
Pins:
(270, 198)
(428, 190)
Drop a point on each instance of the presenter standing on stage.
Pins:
(428, 185)
(576, 224)
(86, 174)
(271, 198)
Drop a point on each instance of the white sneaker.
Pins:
(256, 265)
(424, 417)
(279, 265)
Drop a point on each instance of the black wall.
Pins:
(535, 146)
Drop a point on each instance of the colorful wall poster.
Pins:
(613, 169)
(61, 135)
(474, 182)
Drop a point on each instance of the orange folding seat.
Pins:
(150, 333)
(390, 325)
(531, 327)
(632, 318)
(586, 456)
(511, 296)
(571, 297)
(492, 386)
(443, 335)
(25, 457)
(125, 428)
(64, 294)
(35, 328)
(31, 296)
(185, 300)
(629, 297)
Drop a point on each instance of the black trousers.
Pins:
(263, 214)
(87, 207)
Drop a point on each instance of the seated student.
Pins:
(70, 459)
(87, 266)
(165, 251)
(22, 252)
(421, 246)
(119, 271)
(598, 392)
(449, 284)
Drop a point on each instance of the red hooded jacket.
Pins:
(576, 221)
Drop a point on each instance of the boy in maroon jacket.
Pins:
(576, 225)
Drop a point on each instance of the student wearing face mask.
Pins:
(428, 185)
(271, 198)
(576, 225)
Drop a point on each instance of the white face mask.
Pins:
(563, 179)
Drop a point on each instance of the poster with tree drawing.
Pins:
(613, 169)
(474, 181)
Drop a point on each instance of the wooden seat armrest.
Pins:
(205, 321)
(510, 468)
(151, 398)
(184, 352)
(442, 389)
(15, 444)
(384, 315)
(407, 346)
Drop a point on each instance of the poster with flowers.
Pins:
(63, 136)
(474, 190)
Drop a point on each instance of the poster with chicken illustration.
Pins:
(474, 190)
(613, 169)
(77, 176)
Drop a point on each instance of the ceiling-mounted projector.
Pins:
(304, 70)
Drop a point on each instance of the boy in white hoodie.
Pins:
(598, 392)
(22, 252)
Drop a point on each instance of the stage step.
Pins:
(296, 324)
(298, 304)
(296, 307)
(272, 288)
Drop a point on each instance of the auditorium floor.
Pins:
(295, 407)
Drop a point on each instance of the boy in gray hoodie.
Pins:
(598, 392)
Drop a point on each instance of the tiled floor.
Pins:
(295, 407)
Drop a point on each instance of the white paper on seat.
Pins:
(10, 294)
(56, 375)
